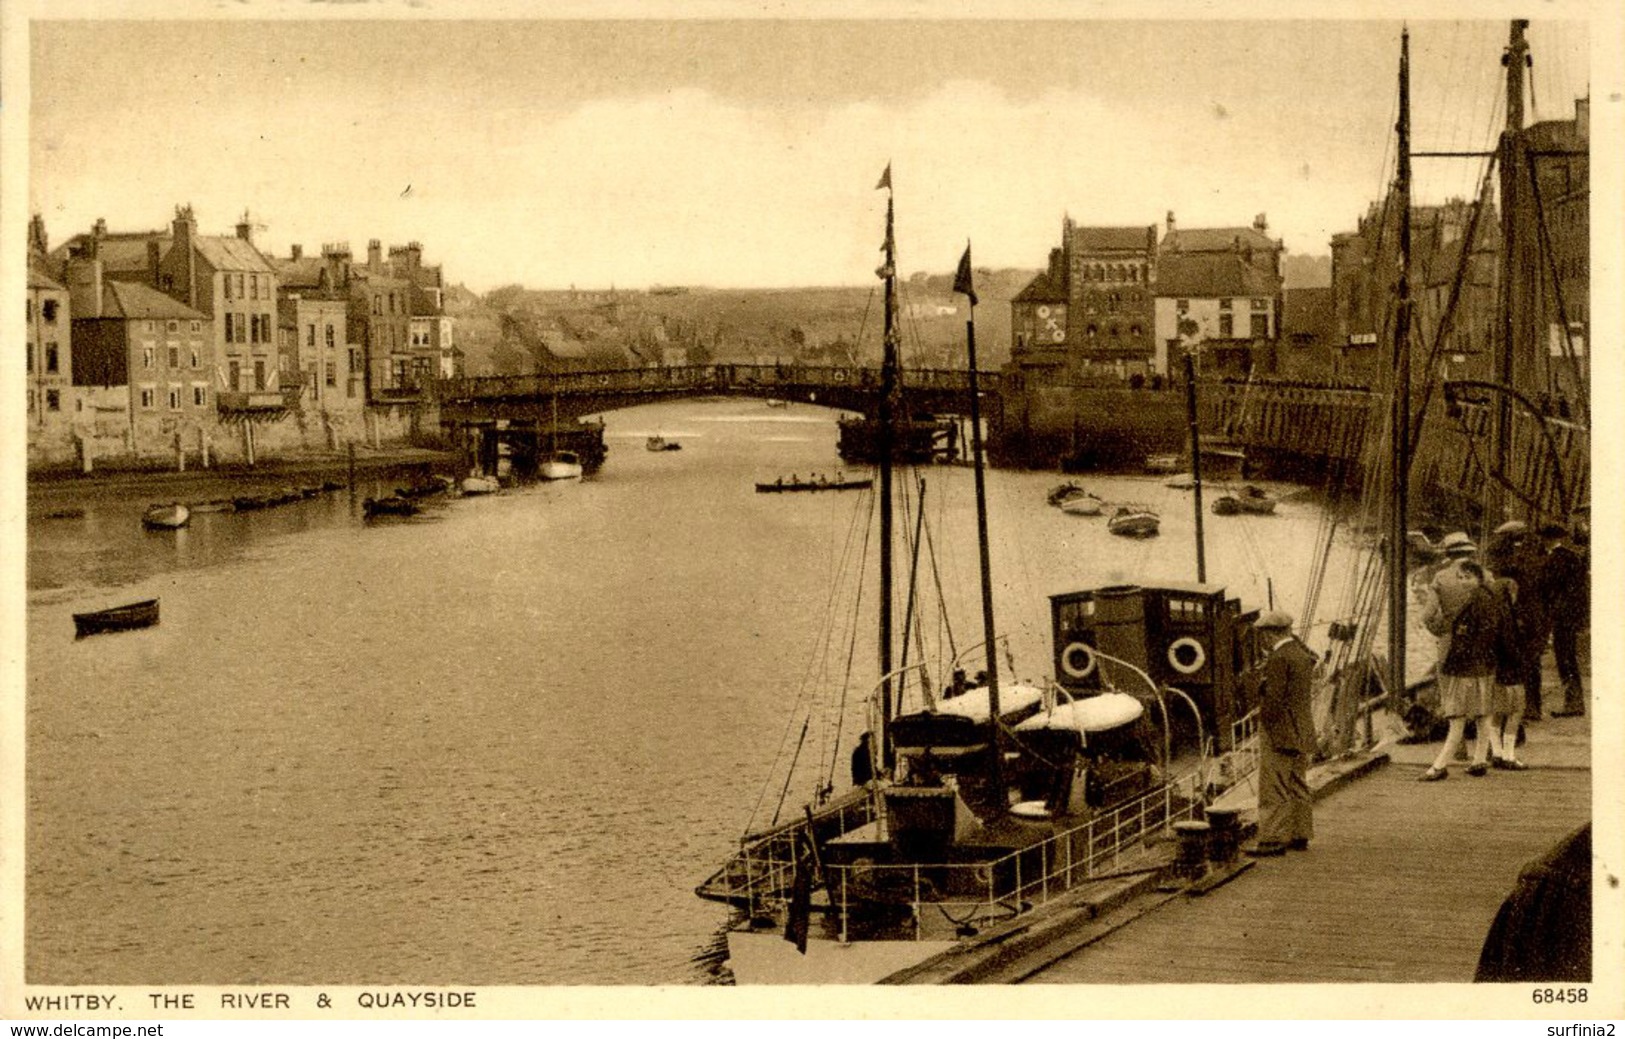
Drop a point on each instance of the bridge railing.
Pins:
(719, 378)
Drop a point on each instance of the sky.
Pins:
(744, 153)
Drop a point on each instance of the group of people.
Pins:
(1493, 619)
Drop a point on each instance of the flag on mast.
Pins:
(885, 179)
(962, 277)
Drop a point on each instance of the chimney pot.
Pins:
(298, 251)
(1170, 220)
(100, 229)
(1260, 223)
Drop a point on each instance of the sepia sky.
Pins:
(745, 153)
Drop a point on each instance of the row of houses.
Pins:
(1123, 303)
(145, 343)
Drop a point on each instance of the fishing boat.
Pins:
(171, 516)
(479, 484)
(1134, 521)
(660, 443)
(1083, 505)
(1251, 501)
(812, 483)
(134, 615)
(561, 465)
(393, 505)
(975, 800)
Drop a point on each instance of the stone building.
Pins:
(1090, 314)
(48, 370)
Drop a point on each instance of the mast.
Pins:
(1400, 428)
(1196, 464)
(883, 444)
(1515, 307)
(962, 283)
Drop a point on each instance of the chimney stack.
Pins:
(1170, 221)
(85, 274)
(1260, 224)
(185, 228)
(375, 255)
(37, 241)
(297, 250)
(154, 253)
(245, 229)
(99, 231)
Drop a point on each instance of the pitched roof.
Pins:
(230, 253)
(130, 301)
(120, 253)
(303, 273)
(1210, 276)
(1216, 239)
(38, 279)
(1042, 289)
(1113, 239)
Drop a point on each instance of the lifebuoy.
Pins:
(603, 380)
(1069, 664)
(1198, 656)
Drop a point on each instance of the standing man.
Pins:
(1565, 589)
(1287, 739)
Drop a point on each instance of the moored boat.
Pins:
(473, 485)
(660, 443)
(390, 506)
(1082, 505)
(212, 505)
(1250, 501)
(170, 516)
(561, 465)
(1134, 521)
(129, 617)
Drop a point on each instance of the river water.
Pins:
(501, 743)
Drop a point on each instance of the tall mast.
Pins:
(962, 283)
(1515, 308)
(1196, 464)
(1400, 428)
(883, 444)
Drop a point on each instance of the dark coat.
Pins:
(1564, 586)
(1473, 636)
(1286, 693)
(1513, 641)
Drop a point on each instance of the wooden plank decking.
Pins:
(1401, 885)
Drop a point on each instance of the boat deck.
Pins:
(1401, 883)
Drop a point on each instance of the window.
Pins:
(173, 326)
(378, 304)
(30, 312)
(194, 355)
(151, 326)
(174, 396)
(1134, 330)
(1226, 326)
(31, 357)
(332, 373)
(146, 357)
(200, 394)
(174, 355)
(149, 396)
(1182, 305)
(355, 361)
(330, 337)
(310, 335)
(1261, 304)
(53, 400)
(225, 280)
(240, 287)
(253, 328)
(1260, 326)
(30, 402)
(197, 326)
(242, 328)
(253, 286)
(259, 375)
(1225, 304)
(236, 379)
(47, 310)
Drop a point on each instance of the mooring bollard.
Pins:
(1191, 861)
(1224, 835)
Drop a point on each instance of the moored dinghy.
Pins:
(1134, 521)
(129, 617)
(562, 465)
(171, 516)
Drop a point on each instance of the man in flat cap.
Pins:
(1285, 810)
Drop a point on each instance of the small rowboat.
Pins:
(1082, 505)
(391, 506)
(563, 465)
(660, 443)
(166, 517)
(481, 485)
(1062, 491)
(1134, 521)
(819, 484)
(1251, 501)
(118, 618)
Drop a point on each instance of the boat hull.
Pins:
(118, 618)
(763, 957)
(786, 488)
(166, 517)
